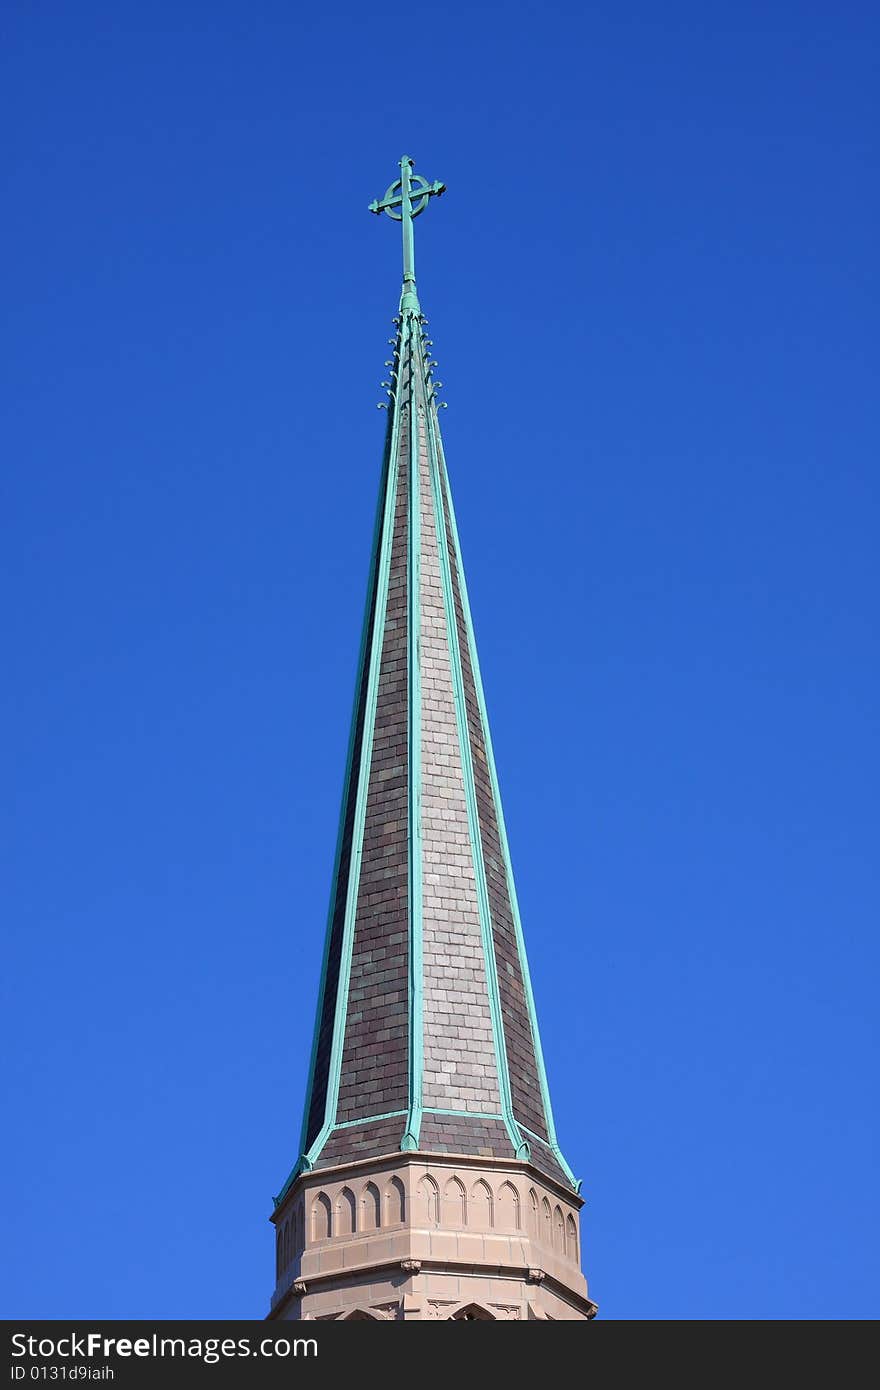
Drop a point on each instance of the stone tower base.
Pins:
(429, 1236)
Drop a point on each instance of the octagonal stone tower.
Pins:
(430, 1183)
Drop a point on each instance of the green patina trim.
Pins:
(368, 1119)
(520, 1147)
(464, 1114)
(502, 833)
(357, 837)
(554, 1149)
(410, 1138)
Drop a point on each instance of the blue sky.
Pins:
(652, 288)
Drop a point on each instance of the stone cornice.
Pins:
(409, 1267)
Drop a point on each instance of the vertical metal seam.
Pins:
(410, 1139)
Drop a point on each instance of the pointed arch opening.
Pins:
(322, 1221)
(533, 1214)
(454, 1204)
(371, 1214)
(571, 1239)
(559, 1230)
(472, 1312)
(395, 1203)
(429, 1201)
(508, 1208)
(482, 1206)
(346, 1213)
(546, 1224)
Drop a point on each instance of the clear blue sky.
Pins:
(652, 288)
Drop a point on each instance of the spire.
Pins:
(404, 200)
(430, 1183)
(426, 1037)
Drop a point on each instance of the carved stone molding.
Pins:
(299, 1287)
(535, 1276)
(439, 1307)
(388, 1310)
(410, 1266)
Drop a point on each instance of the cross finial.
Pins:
(404, 200)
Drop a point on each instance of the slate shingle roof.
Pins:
(425, 1026)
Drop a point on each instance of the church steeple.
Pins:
(426, 1079)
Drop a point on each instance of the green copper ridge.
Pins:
(404, 200)
(410, 1140)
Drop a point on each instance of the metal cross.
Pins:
(403, 201)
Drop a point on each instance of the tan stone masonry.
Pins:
(435, 1236)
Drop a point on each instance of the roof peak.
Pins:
(405, 199)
